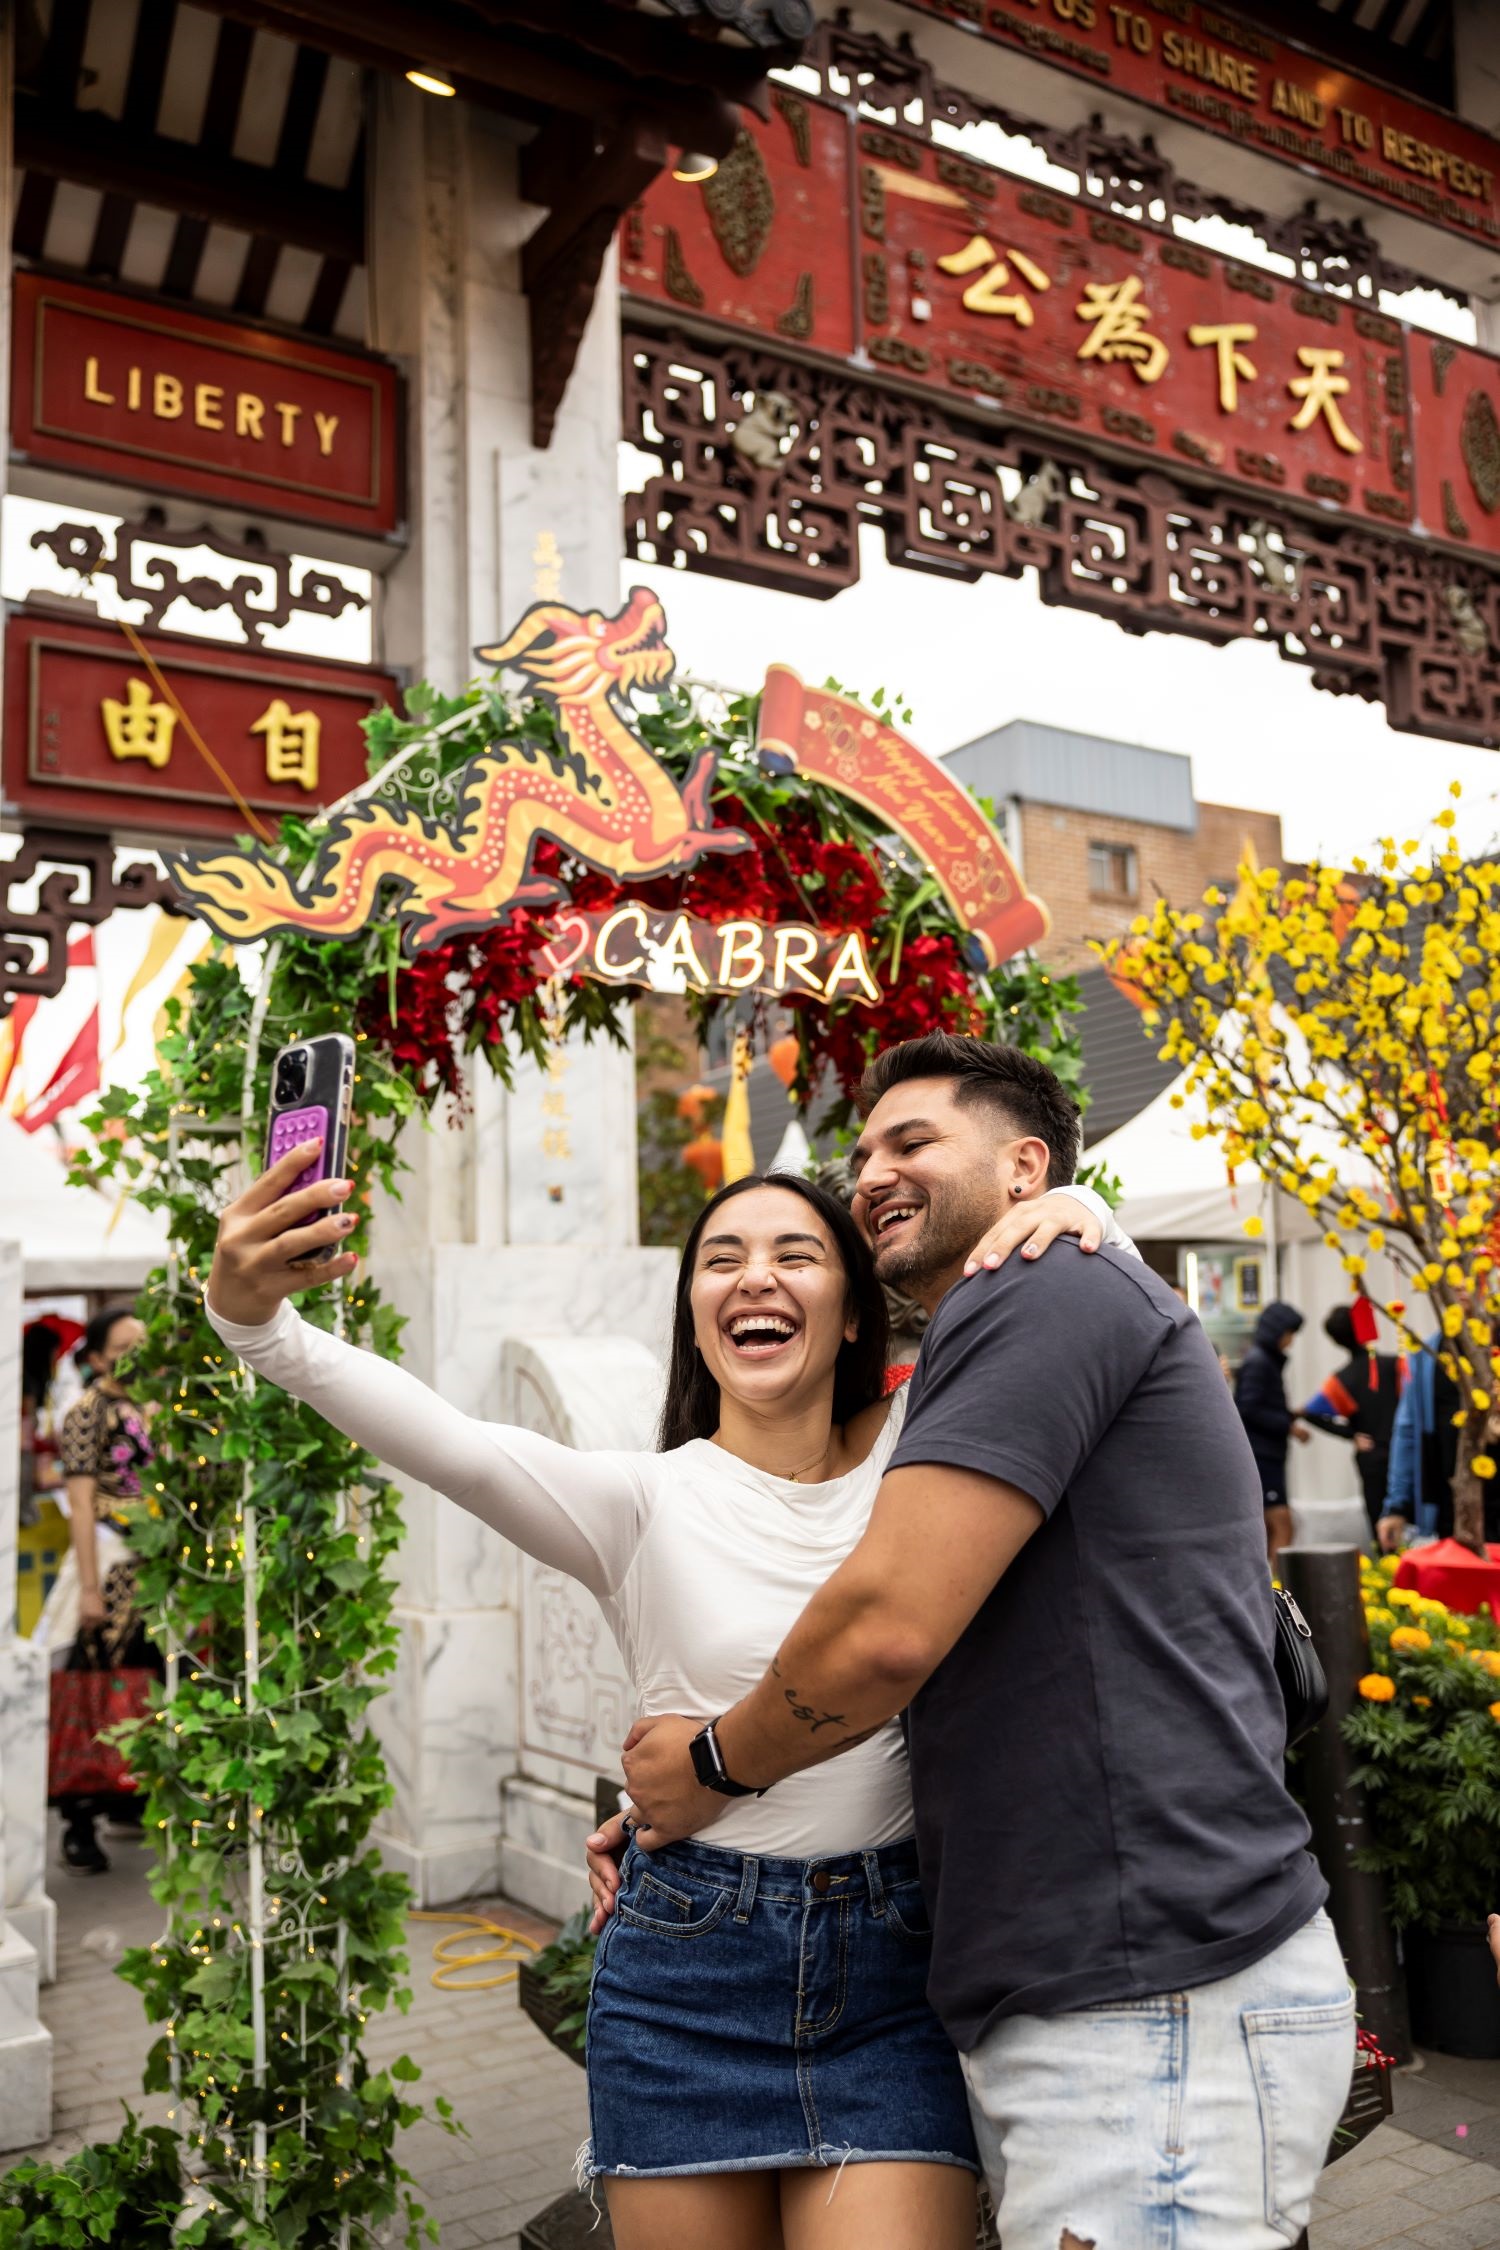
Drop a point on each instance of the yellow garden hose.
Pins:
(511, 1947)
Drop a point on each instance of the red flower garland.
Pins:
(467, 994)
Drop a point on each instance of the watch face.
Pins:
(708, 1765)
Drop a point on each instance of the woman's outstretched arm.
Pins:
(577, 1512)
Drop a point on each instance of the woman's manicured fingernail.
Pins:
(1030, 1251)
(346, 1220)
(971, 1267)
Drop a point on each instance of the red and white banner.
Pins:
(59, 1065)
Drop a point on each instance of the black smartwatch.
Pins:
(708, 1765)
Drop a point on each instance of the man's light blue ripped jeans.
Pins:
(1197, 2120)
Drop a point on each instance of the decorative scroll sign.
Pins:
(610, 803)
(830, 739)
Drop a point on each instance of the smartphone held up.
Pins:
(312, 1094)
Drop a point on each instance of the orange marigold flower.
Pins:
(1495, 1713)
(1376, 1688)
(1410, 1637)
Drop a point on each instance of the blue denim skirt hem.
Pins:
(762, 2014)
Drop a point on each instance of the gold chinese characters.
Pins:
(292, 739)
(140, 727)
(989, 293)
(1117, 314)
(1119, 332)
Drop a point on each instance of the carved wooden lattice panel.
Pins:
(766, 467)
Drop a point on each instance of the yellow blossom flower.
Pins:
(1410, 1637)
(1422, 1702)
(1483, 1465)
(1255, 1228)
(1376, 1688)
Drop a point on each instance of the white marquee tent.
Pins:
(71, 1239)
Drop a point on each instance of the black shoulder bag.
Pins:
(1299, 1671)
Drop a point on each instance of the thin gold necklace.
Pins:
(796, 1475)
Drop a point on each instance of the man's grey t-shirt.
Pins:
(1097, 1763)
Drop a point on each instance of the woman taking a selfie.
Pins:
(759, 2013)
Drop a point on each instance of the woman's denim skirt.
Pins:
(758, 2014)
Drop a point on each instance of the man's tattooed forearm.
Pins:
(813, 1719)
(809, 1714)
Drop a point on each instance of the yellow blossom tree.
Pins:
(1343, 1031)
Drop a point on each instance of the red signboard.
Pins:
(175, 402)
(1456, 413)
(1208, 67)
(786, 183)
(987, 288)
(90, 738)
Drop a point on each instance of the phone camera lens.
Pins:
(291, 1075)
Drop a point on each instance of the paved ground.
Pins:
(522, 2102)
(1429, 2180)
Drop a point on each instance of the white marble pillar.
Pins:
(25, 2042)
(1476, 96)
(520, 1223)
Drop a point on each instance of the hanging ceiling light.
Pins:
(431, 81)
(690, 166)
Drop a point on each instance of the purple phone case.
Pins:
(292, 1126)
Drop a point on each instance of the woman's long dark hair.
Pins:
(691, 1407)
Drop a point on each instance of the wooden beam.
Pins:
(154, 27)
(176, 176)
(647, 46)
(618, 176)
(561, 263)
(490, 67)
(221, 115)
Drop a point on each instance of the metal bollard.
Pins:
(1324, 1580)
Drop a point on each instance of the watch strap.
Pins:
(708, 1765)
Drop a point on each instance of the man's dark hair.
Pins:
(1031, 1098)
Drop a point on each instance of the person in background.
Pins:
(39, 1471)
(1359, 1403)
(91, 1620)
(1424, 1456)
(1260, 1395)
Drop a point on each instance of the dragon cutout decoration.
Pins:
(610, 802)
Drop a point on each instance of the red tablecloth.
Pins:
(1451, 1574)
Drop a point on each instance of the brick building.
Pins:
(1100, 828)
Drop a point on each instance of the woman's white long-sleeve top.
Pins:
(700, 1563)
